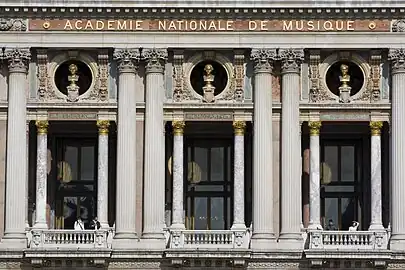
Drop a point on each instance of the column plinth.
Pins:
(314, 176)
(125, 231)
(16, 166)
(154, 183)
(239, 176)
(42, 162)
(102, 176)
(263, 231)
(290, 150)
(178, 171)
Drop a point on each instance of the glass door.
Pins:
(208, 184)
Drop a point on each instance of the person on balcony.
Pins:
(331, 226)
(79, 225)
(95, 224)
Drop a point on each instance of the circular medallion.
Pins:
(73, 72)
(208, 76)
(344, 73)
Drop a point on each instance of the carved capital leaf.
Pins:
(155, 59)
(18, 59)
(263, 59)
(397, 57)
(127, 60)
(291, 60)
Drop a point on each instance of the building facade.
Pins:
(202, 135)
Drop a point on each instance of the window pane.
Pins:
(87, 163)
(217, 214)
(331, 211)
(67, 169)
(217, 164)
(347, 163)
(339, 188)
(330, 166)
(200, 211)
(348, 211)
(198, 170)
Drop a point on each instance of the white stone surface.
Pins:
(41, 184)
(239, 183)
(314, 183)
(102, 181)
(178, 180)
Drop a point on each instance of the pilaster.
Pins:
(263, 232)
(291, 60)
(125, 231)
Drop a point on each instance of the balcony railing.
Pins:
(70, 239)
(209, 239)
(348, 240)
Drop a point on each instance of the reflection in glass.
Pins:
(87, 163)
(331, 159)
(347, 163)
(217, 214)
(201, 214)
(331, 210)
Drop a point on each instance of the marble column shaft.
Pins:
(239, 176)
(178, 171)
(126, 144)
(41, 184)
(262, 145)
(102, 176)
(376, 197)
(154, 183)
(290, 152)
(314, 176)
(397, 57)
(16, 146)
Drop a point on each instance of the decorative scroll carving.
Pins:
(239, 60)
(291, 60)
(127, 60)
(17, 59)
(42, 73)
(155, 60)
(317, 92)
(375, 75)
(263, 59)
(100, 90)
(178, 77)
(397, 57)
(398, 26)
(13, 25)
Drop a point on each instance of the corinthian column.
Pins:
(178, 170)
(42, 156)
(125, 231)
(397, 56)
(263, 230)
(376, 199)
(314, 176)
(154, 183)
(102, 176)
(290, 152)
(239, 176)
(14, 231)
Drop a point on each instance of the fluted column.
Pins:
(41, 187)
(154, 183)
(397, 56)
(290, 152)
(102, 176)
(125, 230)
(376, 197)
(263, 230)
(314, 176)
(178, 170)
(14, 232)
(239, 176)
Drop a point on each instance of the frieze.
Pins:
(211, 25)
(345, 117)
(13, 25)
(69, 116)
(208, 116)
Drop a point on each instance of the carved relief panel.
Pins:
(345, 77)
(208, 77)
(72, 76)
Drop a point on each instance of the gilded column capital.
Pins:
(127, 60)
(155, 60)
(397, 58)
(239, 127)
(42, 126)
(291, 60)
(376, 127)
(103, 126)
(18, 59)
(178, 128)
(314, 127)
(263, 60)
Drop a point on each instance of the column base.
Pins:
(41, 225)
(292, 242)
(14, 242)
(263, 241)
(238, 227)
(178, 226)
(376, 227)
(315, 227)
(397, 242)
(153, 243)
(104, 225)
(126, 241)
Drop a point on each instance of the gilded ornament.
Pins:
(103, 126)
(178, 128)
(239, 127)
(375, 127)
(314, 127)
(42, 126)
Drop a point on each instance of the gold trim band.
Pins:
(42, 126)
